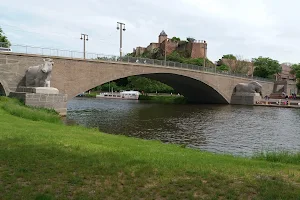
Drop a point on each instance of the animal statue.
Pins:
(39, 76)
(252, 87)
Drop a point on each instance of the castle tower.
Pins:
(162, 36)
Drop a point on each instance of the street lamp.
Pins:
(205, 49)
(120, 27)
(85, 38)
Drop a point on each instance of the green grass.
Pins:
(281, 157)
(14, 107)
(42, 160)
(164, 99)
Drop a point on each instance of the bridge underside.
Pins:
(194, 90)
(2, 90)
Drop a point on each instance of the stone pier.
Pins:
(245, 98)
(29, 96)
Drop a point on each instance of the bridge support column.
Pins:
(31, 97)
(245, 98)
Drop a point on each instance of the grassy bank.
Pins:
(164, 99)
(42, 160)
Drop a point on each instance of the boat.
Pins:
(134, 95)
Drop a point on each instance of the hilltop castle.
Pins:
(193, 48)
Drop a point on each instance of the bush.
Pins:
(223, 68)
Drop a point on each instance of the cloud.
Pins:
(248, 28)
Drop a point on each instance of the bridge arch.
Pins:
(196, 91)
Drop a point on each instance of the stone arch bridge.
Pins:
(72, 76)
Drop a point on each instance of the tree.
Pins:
(223, 68)
(265, 67)
(296, 71)
(242, 66)
(175, 39)
(3, 39)
(229, 56)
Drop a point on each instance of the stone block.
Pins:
(55, 101)
(45, 90)
(38, 90)
(243, 98)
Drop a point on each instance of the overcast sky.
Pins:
(249, 28)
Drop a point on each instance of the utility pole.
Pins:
(85, 38)
(120, 26)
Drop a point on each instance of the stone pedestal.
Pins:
(42, 97)
(244, 98)
(38, 90)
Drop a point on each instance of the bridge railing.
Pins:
(26, 49)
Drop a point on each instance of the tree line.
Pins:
(135, 83)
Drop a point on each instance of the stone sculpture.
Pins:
(39, 76)
(252, 87)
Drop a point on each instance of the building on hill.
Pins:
(285, 74)
(192, 48)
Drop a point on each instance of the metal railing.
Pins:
(26, 49)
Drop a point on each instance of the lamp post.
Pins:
(120, 27)
(85, 38)
(205, 48)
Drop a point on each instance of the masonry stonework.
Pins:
(195, 49)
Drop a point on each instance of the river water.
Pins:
(237, 130)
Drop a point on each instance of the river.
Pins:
(236, 130)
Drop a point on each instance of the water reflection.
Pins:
(238, 130)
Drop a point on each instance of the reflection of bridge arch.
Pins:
(73, 76)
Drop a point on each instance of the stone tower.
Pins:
(162, 36)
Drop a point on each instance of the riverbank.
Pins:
(164, 99)
(43, 159)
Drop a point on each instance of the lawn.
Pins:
(44, 159)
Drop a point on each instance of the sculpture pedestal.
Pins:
(38, 90)
(245, 98)
(42, 97)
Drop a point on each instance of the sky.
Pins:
(247, 28)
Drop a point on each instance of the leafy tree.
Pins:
(3, 39)
(265, 67)
(175, 57)
(229, 56)
(175, 39)
(223, 68)
(147, 85)
(110, 86)
(296, 71)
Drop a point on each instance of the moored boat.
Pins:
(134, 95)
